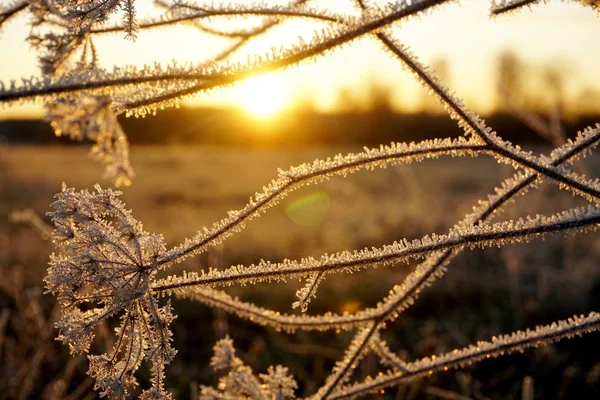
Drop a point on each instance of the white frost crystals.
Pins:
(105, 266)
(103, 269)
(239, 381)
(107, 263)
(91, 118)
(404, 372)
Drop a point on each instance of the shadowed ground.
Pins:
(179, 189)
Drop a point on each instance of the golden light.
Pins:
(263, 96)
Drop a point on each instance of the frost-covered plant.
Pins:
(104, 268)
(239, 380)
(106, 265)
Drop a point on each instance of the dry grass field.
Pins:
(180, 189)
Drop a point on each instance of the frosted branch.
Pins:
(106, 264)
(387, 357)
(479, 236)
(316, 172)
(502, 150)
(354, 353)
(244, 10)
(10, 10)
(209, 79)
(433, 267)
(506, 6)
(518, 341)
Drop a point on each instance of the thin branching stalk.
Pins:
(11, 10)
(480, 236)
(506, 6)
(211, 80)
(318, 171)
(106, 265)
(275, 12)
(225, 227)
(386, 356)
(472, 123)
(497, 346)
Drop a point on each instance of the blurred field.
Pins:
(180, 189)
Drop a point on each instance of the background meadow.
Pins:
(194, 164)
(179, 189)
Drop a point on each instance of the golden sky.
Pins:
(463, 34)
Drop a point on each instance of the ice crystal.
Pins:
(386, 356)
(308, 292)
(92, 118)
(103, 268)
(354, 353)
(105, 264)
(470, 236)
(316, 172)
(239, 380)
(460, 358)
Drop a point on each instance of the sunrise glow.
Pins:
(262, 96)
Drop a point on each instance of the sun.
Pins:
(262, 96)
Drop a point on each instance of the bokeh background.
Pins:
(195, 163)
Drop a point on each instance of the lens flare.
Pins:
(309, 210)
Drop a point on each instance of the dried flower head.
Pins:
(105, 265)
(103, 269)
